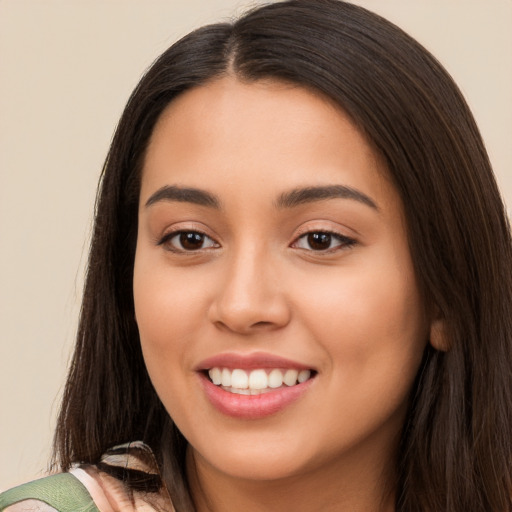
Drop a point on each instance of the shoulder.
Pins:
(92, 488)
(29, 506)
(62, 492)
(85, 489)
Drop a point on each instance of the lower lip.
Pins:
(252, 407)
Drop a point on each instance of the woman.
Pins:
(298, 287)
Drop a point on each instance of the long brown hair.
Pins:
(455, 453)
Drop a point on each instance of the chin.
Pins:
(264, 467)
(257, 458)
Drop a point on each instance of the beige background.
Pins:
(66, 70)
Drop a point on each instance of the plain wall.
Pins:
(66, 70)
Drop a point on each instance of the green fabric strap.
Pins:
(63, 492)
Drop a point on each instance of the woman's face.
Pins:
(271, 246)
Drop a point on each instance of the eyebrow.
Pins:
(184, 195)
(306, 195)
(291, 199)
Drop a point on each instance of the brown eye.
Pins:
(323, 241)
(319, 241)
(187, 241)
(191, 241)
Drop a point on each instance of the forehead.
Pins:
(277, 132)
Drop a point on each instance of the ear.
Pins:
(438, 336)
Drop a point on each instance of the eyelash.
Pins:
(167, 241)
(344, 242)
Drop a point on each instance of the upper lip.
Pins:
(250, 362)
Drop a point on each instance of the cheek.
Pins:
(374, 338)
(370, 323)
(167, 312)
(167, 304)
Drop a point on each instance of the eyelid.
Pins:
(325, 226)
(176, 227)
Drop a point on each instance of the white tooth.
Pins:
(290, 377)
(226, 377)
(258, 379)
(241, 391)
(216, 375)
(275, 378)
(239, 379)
(304, 375)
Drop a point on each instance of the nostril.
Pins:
(262, 324)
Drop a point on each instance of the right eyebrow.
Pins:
(305, 195)
(184, 195)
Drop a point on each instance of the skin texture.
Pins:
(352, 312)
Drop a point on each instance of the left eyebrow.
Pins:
(305, 195)
(184, 195)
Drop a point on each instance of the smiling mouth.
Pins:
(257, 381)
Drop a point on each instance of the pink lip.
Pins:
(249, 362)
(252, 407)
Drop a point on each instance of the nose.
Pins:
(250, 296)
